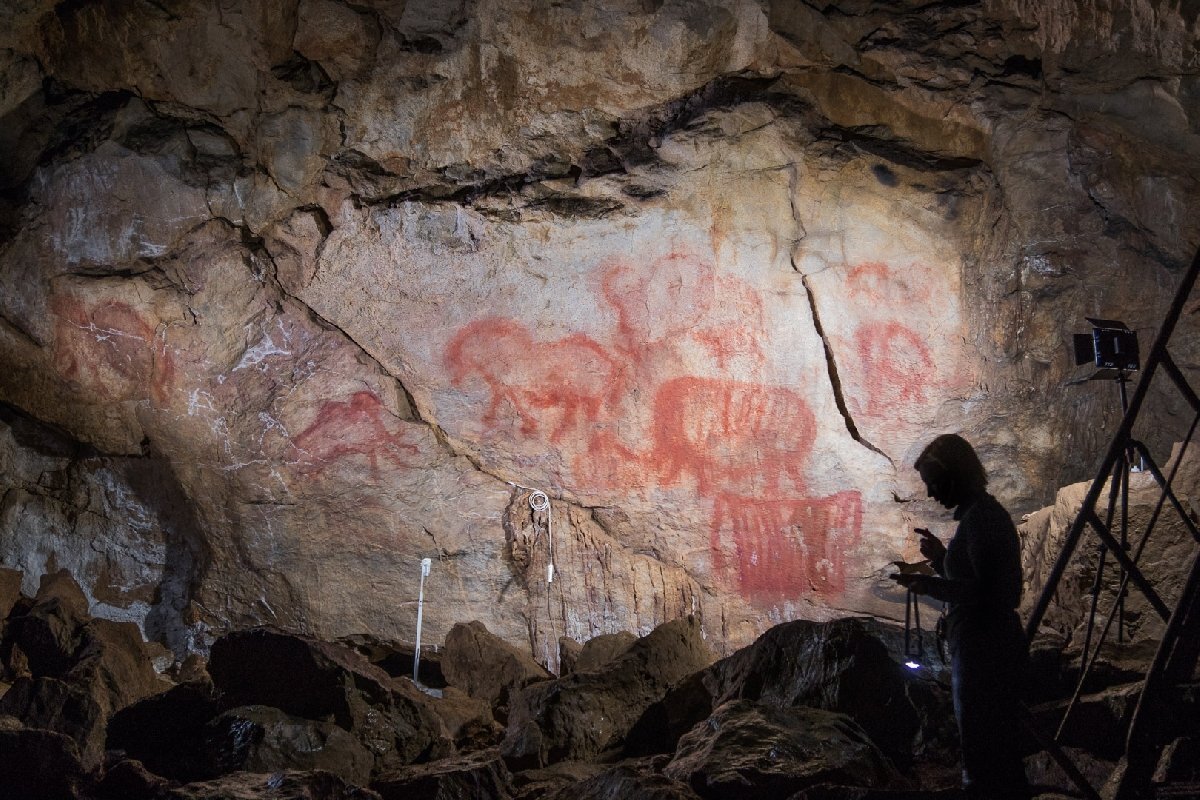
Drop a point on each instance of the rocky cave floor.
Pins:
(809, 710)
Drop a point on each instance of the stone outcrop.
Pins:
(588, 714)
(751, 750)
(480, 776)
(295, 295)
(265, 739)
(315, 680)
(292, 716)
(840, 666)
(486, 667)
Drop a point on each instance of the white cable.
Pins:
(539, 501)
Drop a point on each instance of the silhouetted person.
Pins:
(979, 576)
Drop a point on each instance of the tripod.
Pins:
(1118, 494)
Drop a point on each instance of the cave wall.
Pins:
(294, 294)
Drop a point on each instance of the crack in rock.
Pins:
(835, 381)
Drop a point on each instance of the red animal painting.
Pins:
(109, 349)
(788, 547)
(358, 426)
(897, 366)
(557, 383)
(744, 444)
(731, 436)
(683, 298)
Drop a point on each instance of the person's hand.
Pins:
(931, 547)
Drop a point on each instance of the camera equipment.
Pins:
(1111, 346)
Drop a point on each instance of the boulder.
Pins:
(319, 680)
(10, 590)
(748, 750)
(265, 739)
(38, 764)
(396, 658)
(289, 785)
(600, 650)
(485, 666)
(1045, 775)
(478, 776)
(542, 782)
(842, 666)
(126, 779)
(1098, 722)
(55, 705)
(635, 779)
(48, 635)
(166, 732)
(61, 585)
(468, 720)
(568, 654)
(113, 664)
(586, 714)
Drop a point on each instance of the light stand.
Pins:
(1113, 349)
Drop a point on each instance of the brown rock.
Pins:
(318, 680)
(640, 780)
(842, 666)
(585, 714)
(290, 785)
(54, 705)
(130, 780)
(600, 650)
(49, 636)
(264, 739)
(748, 750)
(468, 720)
(63, 586)
(112, 663)
(40, 765)
(10, 590)
(568, 654)
(166, 732)
(479, 776)
(485, 666)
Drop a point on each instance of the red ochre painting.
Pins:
(109, 349)
(358, 426)
(617, 409)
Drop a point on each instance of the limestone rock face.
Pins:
(296, 294)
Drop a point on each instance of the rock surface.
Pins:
(295, 295)
(750, 750)
(585, 715)
(839, 666)
(485, 666)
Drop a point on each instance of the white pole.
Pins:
(426, 563)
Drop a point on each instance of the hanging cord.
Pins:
(539, 501)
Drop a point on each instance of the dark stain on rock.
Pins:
(884, 175)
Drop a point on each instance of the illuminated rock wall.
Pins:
(295, 294)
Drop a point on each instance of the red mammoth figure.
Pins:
(563, 379)
(732, 436)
